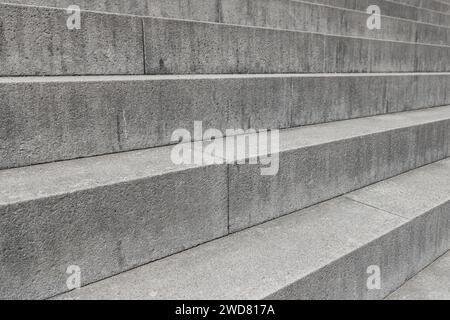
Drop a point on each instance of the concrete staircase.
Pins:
(429, 284)
(86, 176)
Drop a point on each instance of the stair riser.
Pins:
(428, 4)
(36, 41)
(110, 227)
(309, 17)
(394, 9)
(193, 48)
(314, 174)
(438, 6)
(398, 10)
(51, 121)
(226, 11)
(326, 252)
(107, 230)
(203, 10)
(400, 254)
(113, 44)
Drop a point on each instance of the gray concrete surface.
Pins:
(432, 283)
(186, 47)
(182, 47)
(309, 17)
(320, 162)
(204, 10)
(322, 252)
(36, 41)
(58, 118)
(109, 214)
(434, 5)
(103, 214)
(394, 9)
(223, 10)
(135, 7)
(418, 188)
(112, 213)
(104, 45)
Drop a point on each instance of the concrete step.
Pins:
(234, 49)
(435, 5)
(37, 41)
(320, 162)
(309, 17)
(48, 119)
(430, 5)
(329, 251)
(432, 283)
(390, 8)
(112, 213)
(103, 46)
(228, 11)
(106, 214)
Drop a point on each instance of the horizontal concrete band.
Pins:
(114, 44)
(310, 17)
(430, 284)
(393, 9)
(323, 252)
(112, 213)
(231, 11)
(194, 47)
(320, 162)
(37, 41)
(435, 5)
(105, 215)
(47, 119)
(429, 5)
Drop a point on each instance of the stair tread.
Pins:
(157, 77)
(260, 261)
(40, 181)
(432, 283)
(36, 181)
(306, 136)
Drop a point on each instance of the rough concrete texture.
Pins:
(251, 264)
(48, 47)
(180, 47)
(317, 163)
(109, 214)
(226, 11)
(135, 7)
(322, 252)
(186, 47)
(112, 213)
(433, 283)
(60, 118)
(418, 188)
(104, 214)
(37, 41)
(204, 10)
(309, 17)
(393, 9)
(433, 5)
